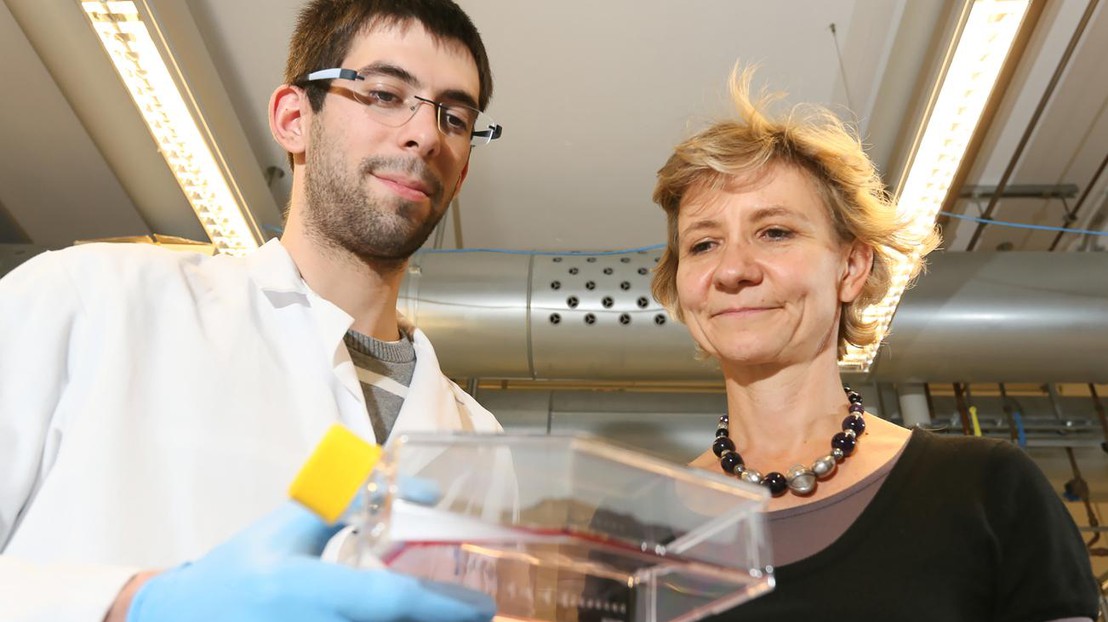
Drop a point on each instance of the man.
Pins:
(152, 404)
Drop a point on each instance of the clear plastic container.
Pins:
(565, 527)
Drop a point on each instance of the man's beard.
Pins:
(341, 213)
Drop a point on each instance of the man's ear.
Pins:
(859, 263)
(288, 110)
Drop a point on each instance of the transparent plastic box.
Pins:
(566, 527)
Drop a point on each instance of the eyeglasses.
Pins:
(392, 103)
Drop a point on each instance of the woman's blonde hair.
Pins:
(815, 141)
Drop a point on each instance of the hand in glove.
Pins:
(271, 572)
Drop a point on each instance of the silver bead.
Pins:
(739, 469)
(850, 433)
(837, 454)
(801, 480)
(824, 467)
(752, 476)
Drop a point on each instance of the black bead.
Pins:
(729, 462)
(776, 483)
(721, 444)
(854, 422)
(721, 432)
(854, 398)
(844, 442)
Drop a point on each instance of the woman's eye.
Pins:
(777, 233)
(700, 247)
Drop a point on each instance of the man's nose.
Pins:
(421, 132)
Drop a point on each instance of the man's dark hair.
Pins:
(326, 29)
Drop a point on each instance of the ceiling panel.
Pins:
(587, 126)
(53, 179)
(592, 96)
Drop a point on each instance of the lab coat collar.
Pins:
(431, 405)
(276, 274)
(273, 269)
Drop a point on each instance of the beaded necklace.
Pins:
(800, 479)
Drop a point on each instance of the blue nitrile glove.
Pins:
(418, 489)
(271, 572)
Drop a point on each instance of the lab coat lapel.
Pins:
(297, 307)
(431, 404)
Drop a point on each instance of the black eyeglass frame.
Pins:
(492, 133)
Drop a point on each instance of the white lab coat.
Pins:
(153, 403)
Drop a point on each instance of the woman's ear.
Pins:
(288, 108)
(859, 263)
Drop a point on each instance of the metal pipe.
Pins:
(963, 409)
(1099, 408)
(914, 409)
(987, 317)
(1077, 486)
(1055, 403)
(1071, 215)
(1007, 408)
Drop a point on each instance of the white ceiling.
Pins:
(592, 96)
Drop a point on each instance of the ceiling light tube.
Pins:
(978, 54)
(184, 143)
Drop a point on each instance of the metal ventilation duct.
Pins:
(974, 317)
(1002, 317)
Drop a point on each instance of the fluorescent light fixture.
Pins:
(979, 54)
(180, 140)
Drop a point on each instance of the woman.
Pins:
(780, 234)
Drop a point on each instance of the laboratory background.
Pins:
(989, 117)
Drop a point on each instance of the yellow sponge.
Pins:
(330, 478)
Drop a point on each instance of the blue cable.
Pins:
(1019, 225)
(1021, 434)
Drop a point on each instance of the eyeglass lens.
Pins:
(394, 104)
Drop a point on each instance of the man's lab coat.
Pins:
(153, 403)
